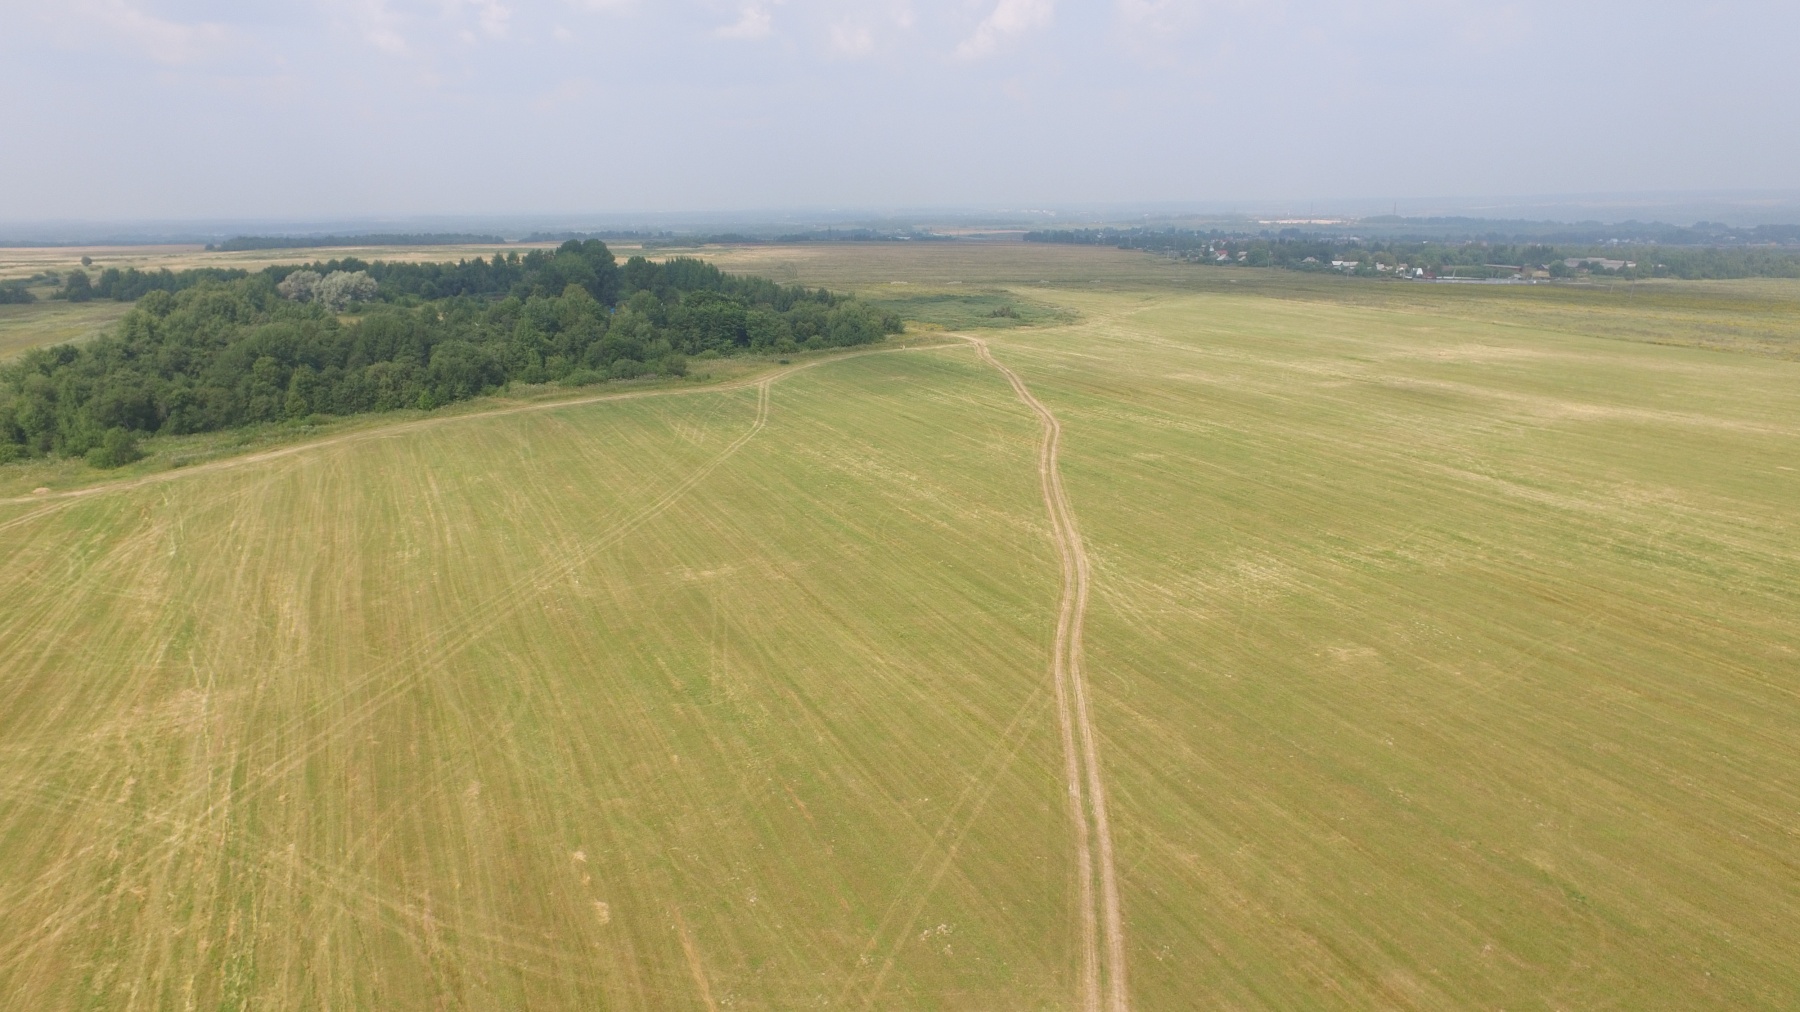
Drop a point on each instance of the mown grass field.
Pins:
(1443, 647)
(37, 324)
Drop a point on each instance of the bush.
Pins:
(583, 378)
(299, 286)
(340, 288)
(78, 288)
(117, 448)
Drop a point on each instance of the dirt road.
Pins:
(1103, 985)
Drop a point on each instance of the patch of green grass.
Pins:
(37, 324)
(965, 310)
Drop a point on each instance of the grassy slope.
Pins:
(1443, 657)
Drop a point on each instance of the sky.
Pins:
(173, 109)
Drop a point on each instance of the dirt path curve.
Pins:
(1102, 985)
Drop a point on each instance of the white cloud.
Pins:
(1009, 18)
(493, 16)
(1164, 32)
(851, 40)
(570, 92)
(1160, 15)
(377, 24)
(756, 22)
(421, 28)
(163, 40)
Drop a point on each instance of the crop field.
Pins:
(1178, 638)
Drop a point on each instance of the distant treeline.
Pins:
(616, 236)
(863, 235)
(652, 240)
(1465, 259)
(256, 242)
(131, 284)
(1464, 229)
(220, 353)
(668, 240)
(538, 271)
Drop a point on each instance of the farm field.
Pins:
(1440, 647)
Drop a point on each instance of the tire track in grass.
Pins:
(407, 668)
(946, 843)
(52, 501)
(399, 674)
(1102, 984)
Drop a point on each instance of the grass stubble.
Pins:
(1440, 651)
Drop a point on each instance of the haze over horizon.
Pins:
(167, 109)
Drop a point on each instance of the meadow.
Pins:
(1440, 648)
(36, 324)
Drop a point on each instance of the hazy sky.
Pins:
(212, 108)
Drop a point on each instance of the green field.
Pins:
(1441, 651)
(37, 324)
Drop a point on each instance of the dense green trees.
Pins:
(224, 353)
(131, 284)
(335, 291)
(77, 287)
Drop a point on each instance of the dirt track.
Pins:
(52, 501)
(1087, 790)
